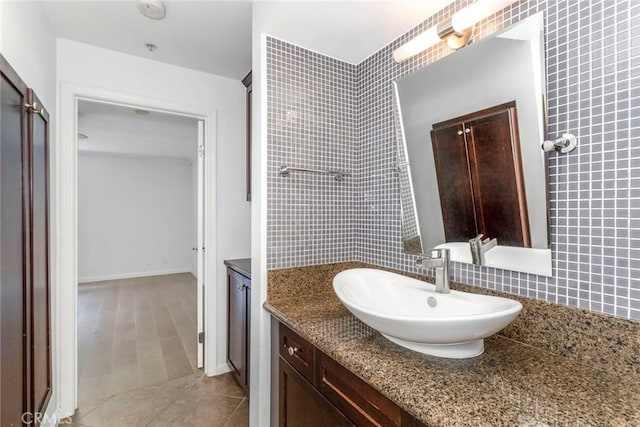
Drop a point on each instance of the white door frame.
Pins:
(200, 230)
(64, 272)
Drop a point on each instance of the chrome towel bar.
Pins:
(338, 175)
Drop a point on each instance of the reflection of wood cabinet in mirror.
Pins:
(479, 171)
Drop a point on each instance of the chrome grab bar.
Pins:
(285, 171)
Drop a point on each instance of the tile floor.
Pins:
(137, 358)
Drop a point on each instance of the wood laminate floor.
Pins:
(137, 356)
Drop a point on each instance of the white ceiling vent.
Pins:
(153, 9)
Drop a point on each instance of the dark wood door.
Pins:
(39, 287)
(14, 272)
(301, 405)
(25, 371)
(497, 179)
(237, 326)
(450, 153)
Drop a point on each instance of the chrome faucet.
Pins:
(480, 247)
(438, 259)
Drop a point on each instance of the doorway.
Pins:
(65, 222)
(140, 265)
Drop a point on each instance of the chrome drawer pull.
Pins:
(293, 350)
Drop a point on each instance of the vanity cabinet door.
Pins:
(237, 334)
(302, 406)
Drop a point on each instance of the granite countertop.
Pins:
(242, 266)
(510, 384)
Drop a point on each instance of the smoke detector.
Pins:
(153, 9)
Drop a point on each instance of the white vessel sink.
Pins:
(411, 313)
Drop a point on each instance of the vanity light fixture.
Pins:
(457, 30)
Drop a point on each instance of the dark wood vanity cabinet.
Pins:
(315, 390)
(355, 398)
(25, 371)
(480, 180)
(302, 405)
(238, 315)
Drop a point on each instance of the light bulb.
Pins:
(417, 44)
(475, 12)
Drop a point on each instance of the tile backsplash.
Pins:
(324, 113)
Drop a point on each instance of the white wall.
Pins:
(135, 216)
(28, 43)
(85, 65)
(32, 52)
(263, 21)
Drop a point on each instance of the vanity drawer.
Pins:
(297, 351)
(358, 400)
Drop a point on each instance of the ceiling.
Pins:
(348, 30)
(120, 130)
(209, 36)
(215, 36)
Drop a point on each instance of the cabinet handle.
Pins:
(467, 130)
(293, 350)
(459, 132)
(34, 108)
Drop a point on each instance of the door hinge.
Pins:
(201, 151)
(200, 337)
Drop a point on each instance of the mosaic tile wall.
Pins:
(312, 124)
(593, 88)
(593, 73)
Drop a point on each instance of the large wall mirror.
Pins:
(472, 173)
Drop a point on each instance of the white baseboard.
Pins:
(222, 368)
(133, 275)
(52, 416)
